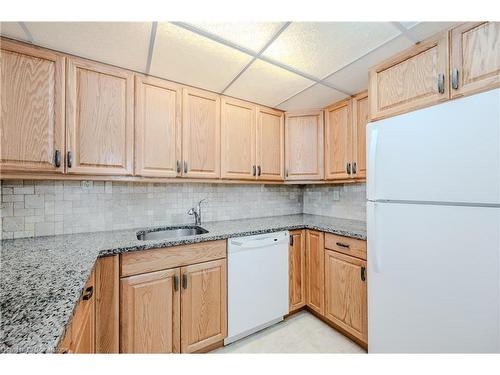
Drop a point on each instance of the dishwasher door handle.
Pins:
(241, 245)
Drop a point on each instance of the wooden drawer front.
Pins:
(160, 259)
(346, 245)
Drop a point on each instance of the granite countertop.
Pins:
(41, 279)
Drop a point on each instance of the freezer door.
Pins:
(433, 282)
(445, 153)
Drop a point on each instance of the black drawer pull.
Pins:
(89, 292)
(342, 244)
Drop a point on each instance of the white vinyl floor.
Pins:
(301, 333)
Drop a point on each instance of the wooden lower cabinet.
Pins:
(80, 335)
(178, 310)
(346, 293)
(150, 312)
(297, 270)
(203, 305)
(315, 270)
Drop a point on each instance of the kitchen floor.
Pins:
(301, 333)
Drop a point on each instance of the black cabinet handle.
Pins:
(69, 159)
(176, 283)
(348, 168)
(254, 173)
(291, 240)
(57, 158)
(363, 273)
(258, 170)
(454, 79)
(441, 83)
(178, 165)
(185, 166)
(354, 168)
(342, 244)
(89, 292)
(184, 281)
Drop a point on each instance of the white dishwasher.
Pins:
(257, 283)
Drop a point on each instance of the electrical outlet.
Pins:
(336, 195)
(86, 185)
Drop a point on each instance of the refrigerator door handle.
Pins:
(371, 159)
(374, 251)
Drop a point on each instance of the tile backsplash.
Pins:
(346, 201)
(39, 208)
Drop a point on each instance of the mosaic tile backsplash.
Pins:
(39, 208)
(345, 201)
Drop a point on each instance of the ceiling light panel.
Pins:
(320, 48)
(354, 77)
(250, 35)
(315, 97)
(13, 30)
(123, 44)
(267, 84)
(424, 30)
(183, 56)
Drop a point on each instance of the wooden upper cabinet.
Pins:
(238, 127)
(270, 144)
(297, 270)
(32, 108)
(158, 107)
(475, 57)
(204, 305)
(338, 141)
(360, 113)
(150, 313)
(99, 119)
(200, 134)
(304, 146)
(315, 270)
(346, 293)
(415, 78)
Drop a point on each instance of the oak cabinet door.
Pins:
(204, 305)
(238, 125)
(157, 127)
(475, 57)
(360, 120)
(345, 293)
(338, 141)
(99, 119)
(200, 134)
(415, 78)
(83, 322)
(315, 270)
(150, 312)
(297, 270)
(304, 146)
(32, 109)
(270, 144)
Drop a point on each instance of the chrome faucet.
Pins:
(196, 212)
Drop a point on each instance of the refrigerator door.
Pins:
(445, 153)
(433, 274)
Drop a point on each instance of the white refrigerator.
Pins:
(433, 221)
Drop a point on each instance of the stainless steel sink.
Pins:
(170, 232)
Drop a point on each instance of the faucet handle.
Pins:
(191, 211)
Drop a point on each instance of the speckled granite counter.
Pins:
(41, 279)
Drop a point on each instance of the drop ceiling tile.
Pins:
(354, 77)
(251, 35)
(13, 30)
(315, 97)
(320, 48)
(267, 84)
(408, 25)
(424, 30)
(187, 57)
(123, 44)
